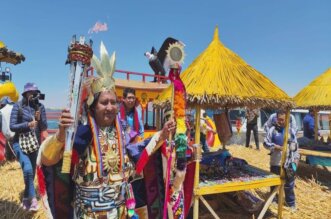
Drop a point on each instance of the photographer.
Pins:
(28, 120)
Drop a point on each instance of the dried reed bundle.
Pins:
(11, 193)
(313, 190)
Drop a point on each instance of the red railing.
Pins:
(159, 78)
(53, 115)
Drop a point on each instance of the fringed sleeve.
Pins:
(140, 152)
(51, 151)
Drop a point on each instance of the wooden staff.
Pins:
(282, 172)
(316, 124)
(197, 163)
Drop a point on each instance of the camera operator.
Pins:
(28, 116)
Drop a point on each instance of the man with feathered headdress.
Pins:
(102, 159)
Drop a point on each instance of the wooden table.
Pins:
(260, 179)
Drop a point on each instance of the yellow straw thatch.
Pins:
(317, 94)
(220, 78)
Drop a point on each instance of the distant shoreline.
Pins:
(53, 109)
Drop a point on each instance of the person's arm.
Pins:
(293, 123)
(51, 150)
(311, 125)
(265, 127)
(5, 123)
(140, 152)
(211, 129)
(203, 124)
(256, 112)
(296, 154)
(14, 125)
(141, 123)
(268, 144)
(267, 140)
(269, 123)
(43, 119)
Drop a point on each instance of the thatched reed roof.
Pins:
(9, 56)
(220, 78)
(317, 95)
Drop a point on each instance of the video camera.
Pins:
(36, 97)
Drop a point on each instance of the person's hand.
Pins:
(168, 128)
(278, 147)
(65, 121)
(33, 124)
(37, 115)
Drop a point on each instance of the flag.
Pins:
(98, 27)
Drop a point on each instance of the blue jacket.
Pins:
(275, 136)
(28, 113)
(309, 126)
(130, 119)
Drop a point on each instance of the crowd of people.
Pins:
(28, 118)
(107, 148)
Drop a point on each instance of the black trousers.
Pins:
(249, 128)
(288, 187)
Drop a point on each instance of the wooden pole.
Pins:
(316, 124)
(282, 172)
(211, 210)
(158, 119)
(227, 118)
(172, 116)
(197, 163)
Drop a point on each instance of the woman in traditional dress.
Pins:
(102, 158)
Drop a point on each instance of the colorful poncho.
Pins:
(101, 168)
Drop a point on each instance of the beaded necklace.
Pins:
(112, 161)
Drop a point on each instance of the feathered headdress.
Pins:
(105, 68)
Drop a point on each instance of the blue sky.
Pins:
(288, 41)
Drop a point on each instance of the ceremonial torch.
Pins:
(79, 58)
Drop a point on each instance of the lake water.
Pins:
(53, 123)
